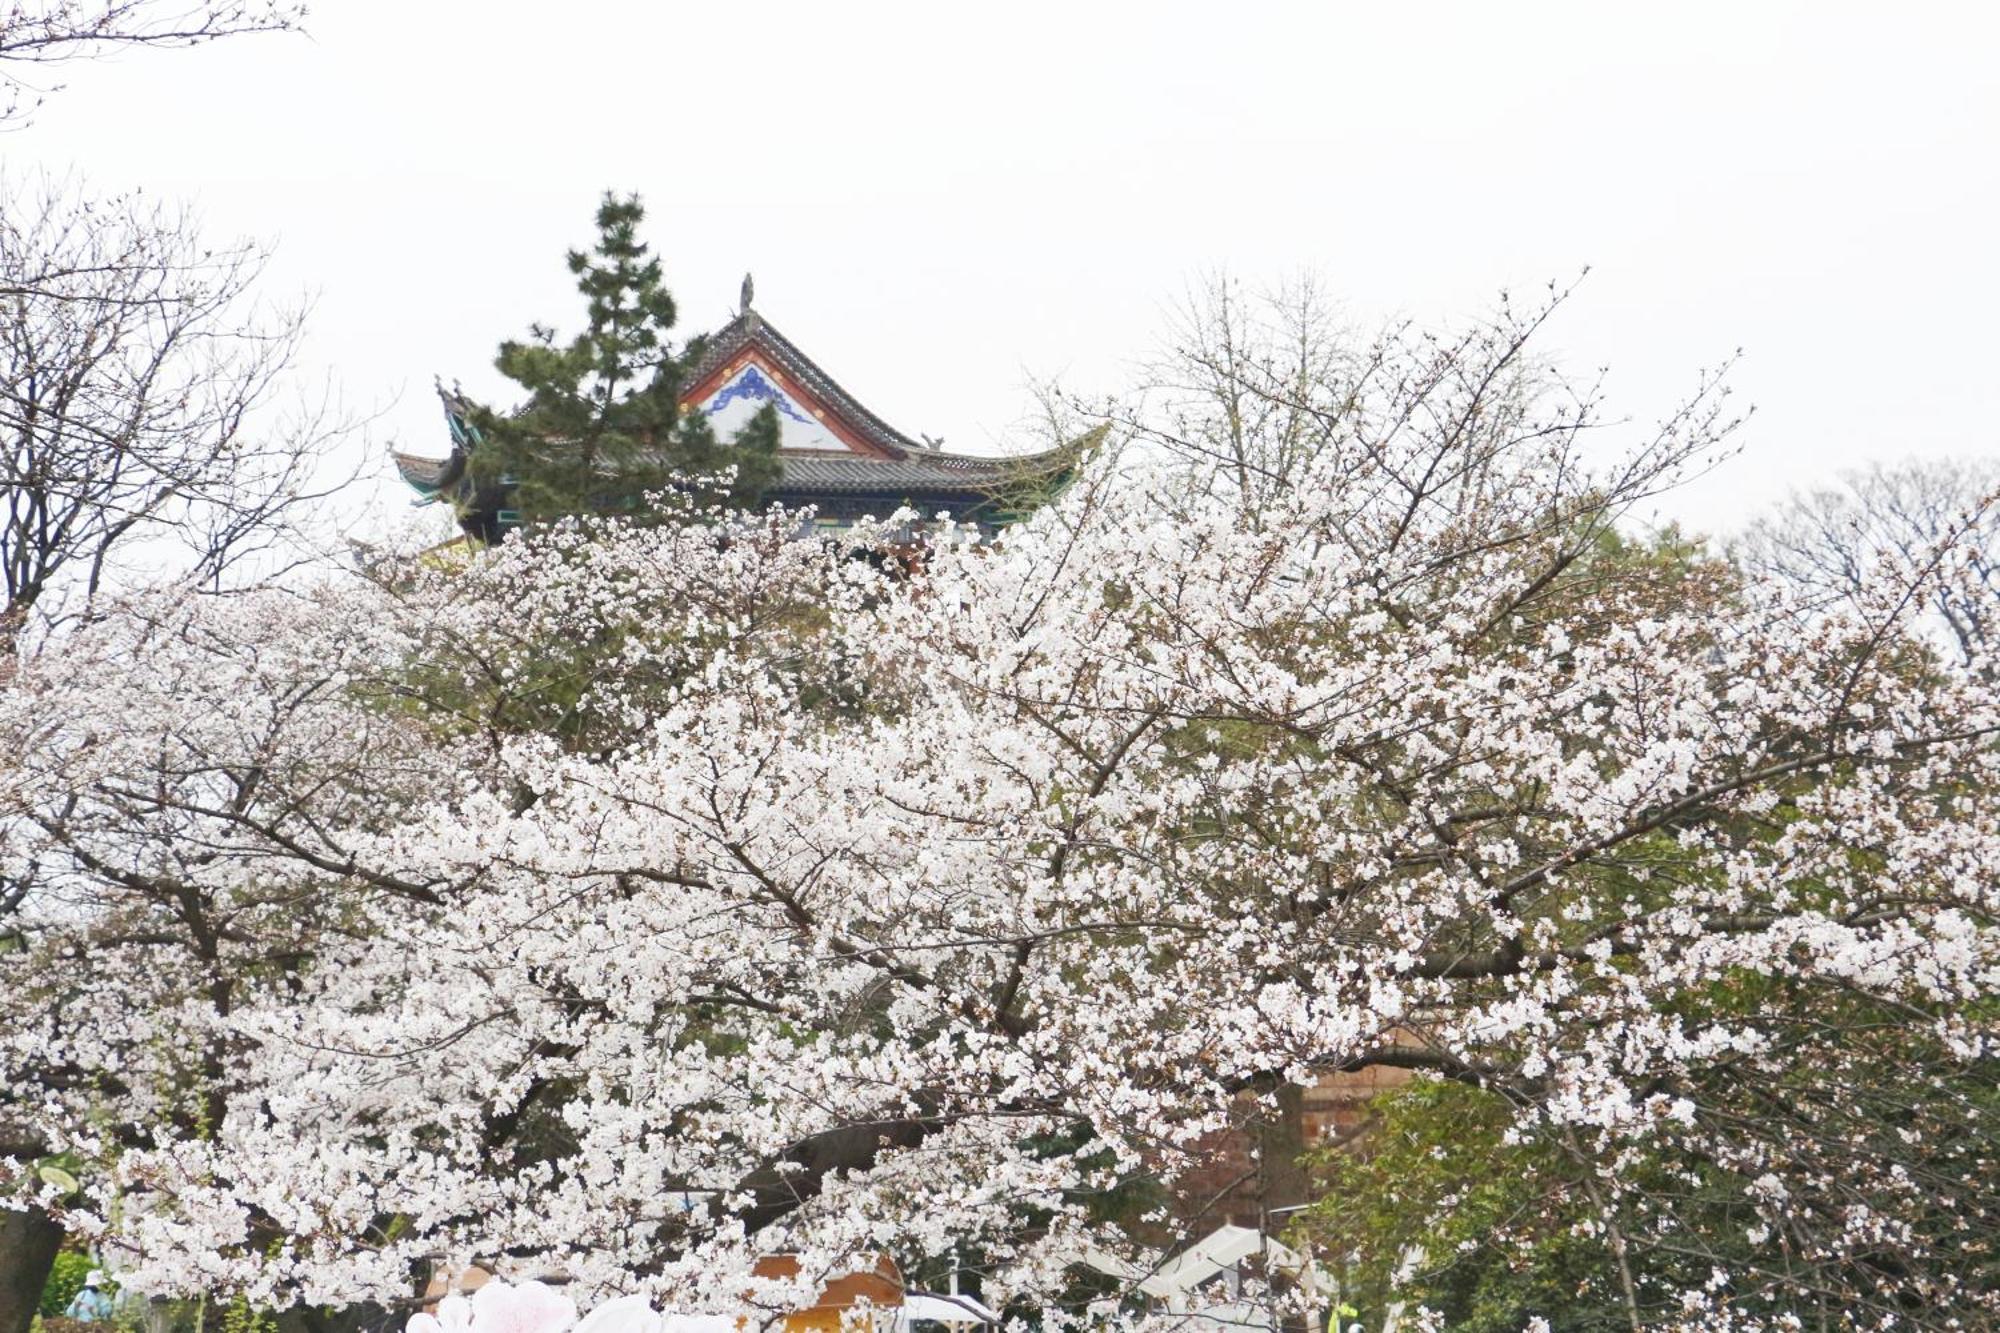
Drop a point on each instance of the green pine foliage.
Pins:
(602, 428)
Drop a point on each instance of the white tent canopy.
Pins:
(1221, 1249)
(946, 1309)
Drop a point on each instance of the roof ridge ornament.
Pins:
(749, 290)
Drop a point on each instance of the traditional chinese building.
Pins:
(837, 456)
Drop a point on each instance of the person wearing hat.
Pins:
(92, 1305)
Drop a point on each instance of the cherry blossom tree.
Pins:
(143, 429)
(138, 914)
(720, 894)
(162, 870)
(107, 446)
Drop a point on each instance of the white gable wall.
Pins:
(742, 394)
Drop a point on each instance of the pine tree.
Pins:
(602, 426)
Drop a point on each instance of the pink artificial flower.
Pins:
(532, 1307)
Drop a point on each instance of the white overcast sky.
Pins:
(941, 201)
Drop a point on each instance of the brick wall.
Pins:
(1232, 1184)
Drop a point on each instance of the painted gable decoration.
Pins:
(749, 363)
(730, 407)
(752, 386)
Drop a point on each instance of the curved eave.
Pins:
(430, 477)
(1054, 467)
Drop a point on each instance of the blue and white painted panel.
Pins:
(730, 407)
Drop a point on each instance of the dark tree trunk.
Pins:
(1282, 1180)
(1281, 1148)
(28, 1245)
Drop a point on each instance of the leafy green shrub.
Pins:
(65, 1281)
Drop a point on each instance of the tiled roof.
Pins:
(921, 473)
(832, 474)
(911, 470)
